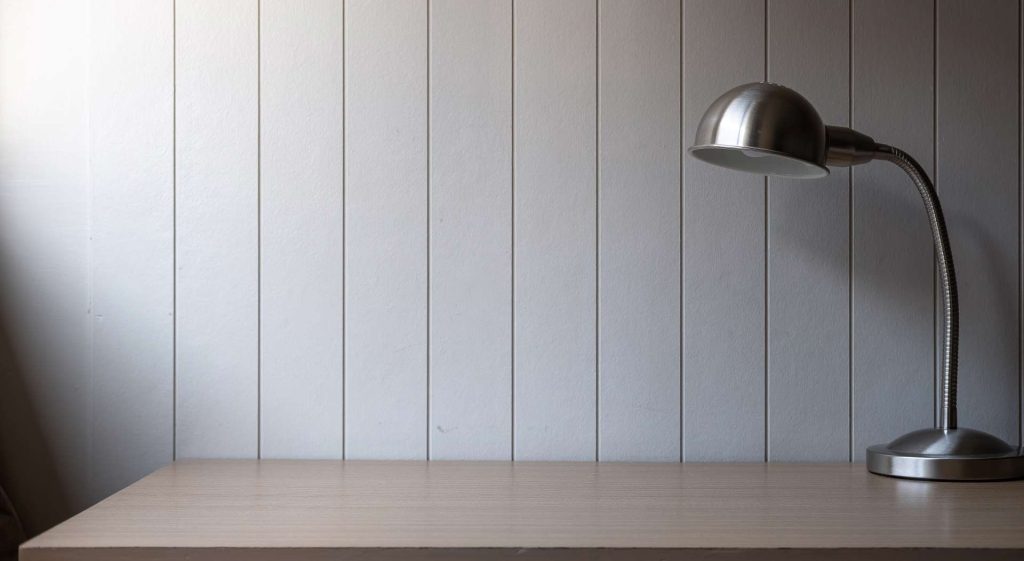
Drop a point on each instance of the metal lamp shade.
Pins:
(766, 129)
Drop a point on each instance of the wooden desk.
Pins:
(298, 510)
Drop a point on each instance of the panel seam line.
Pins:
(259, 231)
(935, 174)
(174, 230)
(682, 153)
(344, 234)
(1020, 216)
(597, 230)
(428, 412)
(849, 241)
(512, 230)
(767, 214)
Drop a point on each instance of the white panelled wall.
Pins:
(469, 229)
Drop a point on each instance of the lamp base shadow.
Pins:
(936, 454)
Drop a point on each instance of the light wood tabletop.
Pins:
(368, 510)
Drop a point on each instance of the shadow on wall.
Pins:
(28, 472)
(11, 532)
(988, 301)
(991, 319)
(890, 199)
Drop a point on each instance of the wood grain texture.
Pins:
(301, 228)
(893, 299)
(471, 229)
(132, 212)
(809, 248)
(386, 229)
(638, 230)
(355, 509)
(555, 90)
(217, 244)
(724, 239)
(977, 178)
(531, 554)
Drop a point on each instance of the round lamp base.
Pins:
(947, 455)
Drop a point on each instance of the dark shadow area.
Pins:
(28, 472)
(996, 311)
(11, 532)
(988, 306)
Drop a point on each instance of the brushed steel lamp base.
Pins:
(958, 454)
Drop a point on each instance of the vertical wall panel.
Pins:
(977, 180)
(724, 253)
(555, 223)
(809, 248)
(132, 107)
(638, 236)
(301, 228)
(471, 229)
(216, 84)
(386, 236)
(893, 343)
(45, 324)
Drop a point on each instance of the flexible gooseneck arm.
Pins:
(947, 274)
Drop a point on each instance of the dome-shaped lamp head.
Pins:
(770, 129)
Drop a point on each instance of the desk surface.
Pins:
(498, 510)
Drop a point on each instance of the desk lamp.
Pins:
(769, 129)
